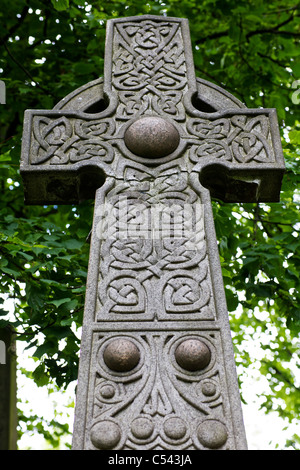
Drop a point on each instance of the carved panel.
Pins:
(161, 401)
(63, 141)
(149, 69)
(153, 240)
(239, 139)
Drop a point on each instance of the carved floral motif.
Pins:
(162, 405)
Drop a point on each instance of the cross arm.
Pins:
(65, 155)
(238, 154)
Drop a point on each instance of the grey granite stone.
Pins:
(152, 144)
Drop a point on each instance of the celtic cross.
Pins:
(152, 143)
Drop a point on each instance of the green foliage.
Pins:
(53, 431)
(48, 49)
(60, 5)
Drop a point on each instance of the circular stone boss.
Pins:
(142, 427)
(105, 435)
(152, 137)
(175, 428)
(192, 354)
(107, 391)
(121, 355)
(212, 434)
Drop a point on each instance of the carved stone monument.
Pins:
(157, 367)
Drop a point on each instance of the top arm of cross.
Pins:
(68, 152)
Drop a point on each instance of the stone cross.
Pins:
(154, 143)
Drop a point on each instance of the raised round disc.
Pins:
(142, 428)
(121, 355)
(175, 428)
(192, 354)
(152, 137)
(105, 435)
(212, 434)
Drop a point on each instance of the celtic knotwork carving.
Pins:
(238, 139)
(132, 104)
(157, 367)
(50, 135)
(252, 141)
(154, 230)
(154, 256)
(132, 253)
(169, 102)
(61, 141)
(205, 129)
(94, 128)
(126, 295)
(184, 293)
(149, 69)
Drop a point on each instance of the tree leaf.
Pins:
(60, 5)
(59, 302)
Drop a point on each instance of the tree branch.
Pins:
(264, 56)
(26, 71)
(16, 26)
(282, 376)
(213, 36)
(274, 30)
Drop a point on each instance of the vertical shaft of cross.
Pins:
(161, 366)
(162, 362)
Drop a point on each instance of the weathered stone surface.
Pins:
(152, 137)
(157, 368)
(121, 355)
(193, 355)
